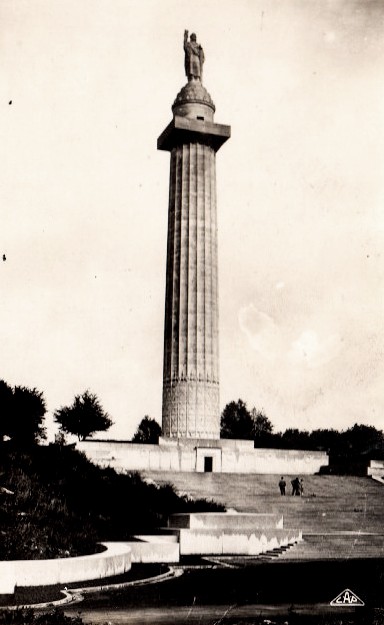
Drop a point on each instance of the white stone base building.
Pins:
(197, 455)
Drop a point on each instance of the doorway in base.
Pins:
(208, 464)
(208, 459)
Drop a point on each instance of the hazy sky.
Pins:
(86, 88)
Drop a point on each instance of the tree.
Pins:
(262, 428)
(361, 439)
(84, 417)
(6, 400)
(148, 432)
(27, 416)
(293, 438)
(325, 439)
(60, 439)
(22, 413)
(236, 421)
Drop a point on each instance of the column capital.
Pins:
(185, 130)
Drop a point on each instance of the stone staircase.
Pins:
(268, 556)
(340, 516)
(337, 546)
(277, 553)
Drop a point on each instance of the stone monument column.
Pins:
(191, 355)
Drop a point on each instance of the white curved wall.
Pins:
(114, 561)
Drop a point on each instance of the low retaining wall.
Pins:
(274, 461)
(151, 550)
(115, 560)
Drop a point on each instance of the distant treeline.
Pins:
(357, 441)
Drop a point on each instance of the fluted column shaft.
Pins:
(191, 362)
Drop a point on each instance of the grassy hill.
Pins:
(60, 504)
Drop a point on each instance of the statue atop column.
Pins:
(194, 57)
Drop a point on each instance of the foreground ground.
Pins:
(232, 615)
(343, 523)
(222, 595)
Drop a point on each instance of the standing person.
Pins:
(301, 487)
(295, 486)
(282, 485)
